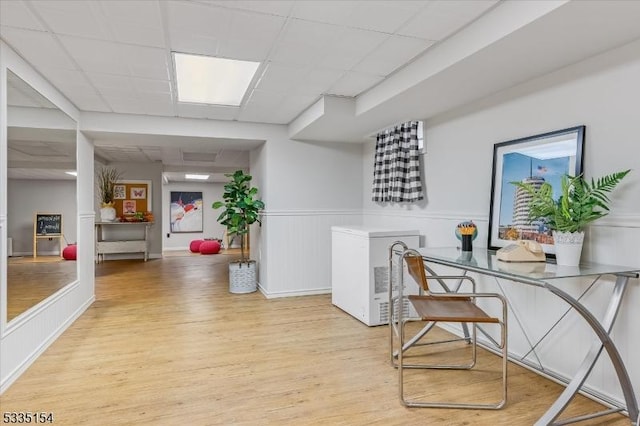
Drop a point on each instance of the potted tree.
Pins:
(241, 210)
(580, 203)
(106, 180)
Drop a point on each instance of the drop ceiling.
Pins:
(330, 70)
(115, 57)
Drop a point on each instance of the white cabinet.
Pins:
(122, 237)
(359, 270)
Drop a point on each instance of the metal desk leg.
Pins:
(602, 330)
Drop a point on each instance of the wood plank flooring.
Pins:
(165, 343)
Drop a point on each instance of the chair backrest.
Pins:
(416, 270)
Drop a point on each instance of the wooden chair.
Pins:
(450, 307)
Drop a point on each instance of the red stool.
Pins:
(210, 247)
(195, 246)
(70, 252)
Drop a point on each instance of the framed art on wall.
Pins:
(186, 211)
(534, 159)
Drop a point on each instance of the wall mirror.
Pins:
(41, 160)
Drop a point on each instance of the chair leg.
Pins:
(424, 404)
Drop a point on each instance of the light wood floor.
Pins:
(166, 344)
(31, 280)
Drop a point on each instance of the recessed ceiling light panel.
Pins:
(196, 177)
(209, 80)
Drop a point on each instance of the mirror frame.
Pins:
(64, 106)
(572, 137)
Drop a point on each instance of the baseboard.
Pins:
(15, 374)
(294, 293)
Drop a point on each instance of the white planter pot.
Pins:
(107, 214)
(568, 247)
(242, 277)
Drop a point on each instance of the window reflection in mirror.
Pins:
(41, 156)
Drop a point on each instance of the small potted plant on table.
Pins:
(241, 210)
(579, 204)
(106, 180)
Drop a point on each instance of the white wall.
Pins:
(28, 196)
(24, 338)
(211, 228)
(309, 187)
(601, 93)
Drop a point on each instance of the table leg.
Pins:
(602, 330)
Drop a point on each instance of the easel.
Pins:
(49, 226)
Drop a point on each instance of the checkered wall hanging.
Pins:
(396, 171)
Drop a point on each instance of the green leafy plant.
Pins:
(106, 180)
(241, 207)
(580, 202)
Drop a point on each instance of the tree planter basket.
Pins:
(242, 277)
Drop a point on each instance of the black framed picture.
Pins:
(534, 159)
(186, 211)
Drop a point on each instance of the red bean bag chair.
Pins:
(195, 246)
(210, 247)
(70, 252)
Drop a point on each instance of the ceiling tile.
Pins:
(87, 101)
(393, 53)
(312, 34)
(16, 14)
(387, 17)
(251, 36)
(157, 104)
(264, 99)
(124, 104)
(111, 81)
(72, 18)
(280, 78)
(207, 111)
(318, 81)
(125, 32)
(143, 12)
(330, 12)
(272, 7)
(38, 48)
(146, 62)
(354, 83)
(145, 85)
(96, 55)
(184, 41)
(352, 47)
(442, 18)
(261, 115)
(198, 18)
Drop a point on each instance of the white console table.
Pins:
(131, 244)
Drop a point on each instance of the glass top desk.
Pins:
(548, 276)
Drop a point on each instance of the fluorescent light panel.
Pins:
(208, 80)
(196, 177)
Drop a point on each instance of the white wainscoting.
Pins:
(30, 334)
(613, 240)
(295, 257)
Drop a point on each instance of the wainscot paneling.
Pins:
(297, 250)
(26, 337)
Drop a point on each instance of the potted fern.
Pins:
(580, 203)
(241, 210)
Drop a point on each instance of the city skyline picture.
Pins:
(534, 160)
(516, 168)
